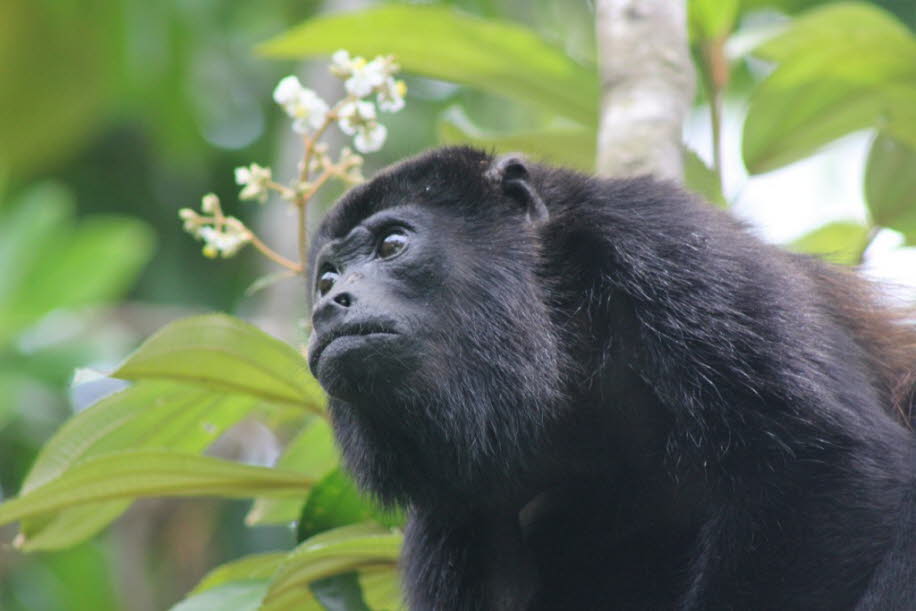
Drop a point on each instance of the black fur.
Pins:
(603, 394)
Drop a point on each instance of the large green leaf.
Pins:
(233, 596)
(785, 6)
(79, 263)
(439, 42)
(94, 263)
(299, 598)
(141, 473)
(151, 414)
(333, 552)
(562, 143)
(711, 19)
(382, 588)
(340, 592)
(27, 227)
(836, 28)
(335, 501)
(56, 74)
(224, 353)
(313, 454)
(702, 180)
(890, 185)
(254, 566)
(842, 67)
(840, 242)
(68, 527)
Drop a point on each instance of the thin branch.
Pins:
(715, 76)
(261, 246)
(275, 256)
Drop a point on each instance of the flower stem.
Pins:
(284, 191)
(274, 256)
(715, 76)
(303, 199)
(264, 248)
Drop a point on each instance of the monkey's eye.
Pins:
(392, 244)
(326, 281)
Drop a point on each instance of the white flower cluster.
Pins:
(306, 108)
(255, 181)
(222, 235)
(356, 116)
(362, 78)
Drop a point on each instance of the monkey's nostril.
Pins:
(343, 299)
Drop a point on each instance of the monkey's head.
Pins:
(432, 331)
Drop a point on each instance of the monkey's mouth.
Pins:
(349, 335)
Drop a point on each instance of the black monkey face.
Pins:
(431, 330)
(372, 289)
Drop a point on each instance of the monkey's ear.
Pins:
(510, 173)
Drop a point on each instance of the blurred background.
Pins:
(116, 113)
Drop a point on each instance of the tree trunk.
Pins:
(647, 86)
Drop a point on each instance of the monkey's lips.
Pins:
(348, 338)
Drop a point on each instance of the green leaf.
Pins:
(702, 180)
(561, 143)
(224, 353)
(96, 262)
(234, 596)
(439, 42)
(58, 73)
(251, 567)
(842, 68)
(821, 32)
(382, 588)
(27, 227)
(313, 454)
(83, 263)
(890, 185)
(68, 527)
(333, 552)
(335, 501)
(340, 593)
(132, 474)
(785, 6)
(711, 19)
(841, 242)
(300, 599)
(79, 579)
(148, 415)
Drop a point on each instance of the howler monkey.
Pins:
(604, 394)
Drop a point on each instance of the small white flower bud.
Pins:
(353, 114)
(226, 242)
(287, 90)
(256, 181)
(209, 203)
(365, 77)
(341, 64)
(391, 95)
(370, 138)
(242, 176)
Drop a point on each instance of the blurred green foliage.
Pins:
(115, 113)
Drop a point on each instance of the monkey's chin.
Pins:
(355, 366)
